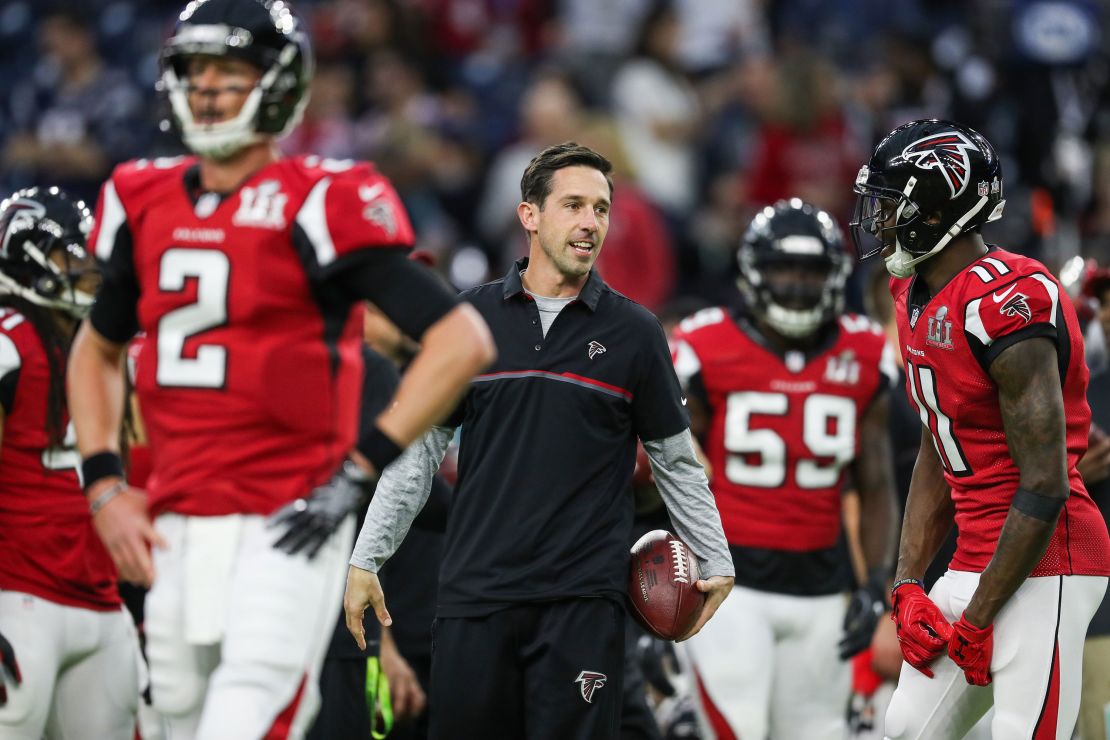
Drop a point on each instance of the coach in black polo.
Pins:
(529, 635)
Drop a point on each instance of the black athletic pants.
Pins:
(543, 671)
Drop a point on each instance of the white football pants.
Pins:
(767, 665)
(236, 630)
(1036, 666)
(81, 671)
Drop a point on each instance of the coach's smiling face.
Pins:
(571, 223)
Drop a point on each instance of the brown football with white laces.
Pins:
(661, 586)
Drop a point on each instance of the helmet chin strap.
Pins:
(902, 264)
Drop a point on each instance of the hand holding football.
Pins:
(661, 585)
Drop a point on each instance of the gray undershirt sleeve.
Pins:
(401, 493)
(681, 481)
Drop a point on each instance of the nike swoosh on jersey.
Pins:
(999, 298)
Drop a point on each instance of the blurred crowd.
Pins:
(708, 109)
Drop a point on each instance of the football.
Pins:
(661, 586)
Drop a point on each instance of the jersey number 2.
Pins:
(828, 430)
(211, 269)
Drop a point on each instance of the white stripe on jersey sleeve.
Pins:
(974, 324)
(9, 355)
(112, 217)
(686, 363)
(997, 264)
(313, 219)
(983, 273)
(1053, 293)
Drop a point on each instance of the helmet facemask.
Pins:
(795, 297)
(57, 274)
(272, 108)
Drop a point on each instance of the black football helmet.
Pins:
(43, 257)
(793, 234)
(265, 33)
(927, 182)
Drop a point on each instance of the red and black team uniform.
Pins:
(782, 430)
(249, 382)
(59, 605)
(249, 367)
(949, 341)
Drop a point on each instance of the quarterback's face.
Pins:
(572, 224)
(218, 87)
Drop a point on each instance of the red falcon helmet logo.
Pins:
(591, 681)
(946, 152)
(1017, 305)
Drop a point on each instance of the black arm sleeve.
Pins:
(8, 384)
(115, 313)
(407, 292)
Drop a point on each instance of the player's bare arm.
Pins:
(95, 386)
(874, 474)
(454, 350)
(1032, 406)
(929, 516)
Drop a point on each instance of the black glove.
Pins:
(309, 522)
(9, 668)
(864, 610)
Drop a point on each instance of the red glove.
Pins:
(923, 631)
(971, 648)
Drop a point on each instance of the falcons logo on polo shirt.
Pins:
(590, 682)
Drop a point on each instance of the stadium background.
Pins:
(710, 109)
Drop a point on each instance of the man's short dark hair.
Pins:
(535, 185)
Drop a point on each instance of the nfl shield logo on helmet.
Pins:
(590, 682)
(947, 152)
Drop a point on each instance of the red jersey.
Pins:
(48, 546)
(948, 344)
(782, 428)
(250, 375)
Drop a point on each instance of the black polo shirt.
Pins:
(543, 506)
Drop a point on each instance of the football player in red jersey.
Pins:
(246, 272)
(77, 652)
(788, 394)
(995, 369)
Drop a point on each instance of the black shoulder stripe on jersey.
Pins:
(409, 294)
(1042, 329)
(115, 313)
(1063, 342)
(8, 384)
